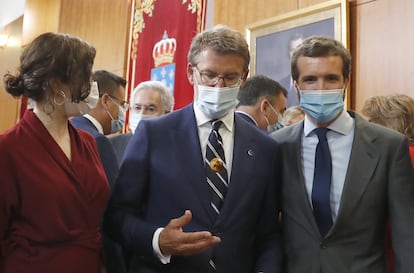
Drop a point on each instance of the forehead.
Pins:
(147, 96)
(319, 66)
(210, 60)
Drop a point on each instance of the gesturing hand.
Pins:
(173, 241)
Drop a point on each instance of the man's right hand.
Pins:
(173, 241)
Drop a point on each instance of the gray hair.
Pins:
(222, 40)
(167, 99)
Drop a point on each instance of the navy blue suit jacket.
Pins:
(162, 175)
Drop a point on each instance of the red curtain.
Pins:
(152, 22)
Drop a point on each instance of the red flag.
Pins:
(161, 34)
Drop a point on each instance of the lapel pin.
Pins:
(216, 164)
(250, 152)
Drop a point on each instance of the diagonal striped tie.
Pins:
(216, 169)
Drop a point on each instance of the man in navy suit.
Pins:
(106, 118)
(161, 207)
(262, 102)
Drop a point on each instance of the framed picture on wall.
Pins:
(272, 40)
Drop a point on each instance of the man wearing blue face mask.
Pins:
(262, 102)
(345, 178)
(150, 99)
(198, 189)
(106, 118)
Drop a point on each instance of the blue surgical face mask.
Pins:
(279, 123)
(216, 102)
(135, 118)
(117, 124)
(322, 105)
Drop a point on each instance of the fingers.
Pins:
(173, 241)
(181, 221)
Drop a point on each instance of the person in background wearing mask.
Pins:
(53, 189)
(182, 207)
(344, 178)
(293, 115)
(107, 117)
(150, 99)
(262, 102)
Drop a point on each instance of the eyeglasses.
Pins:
(210, 78)
(123, 103)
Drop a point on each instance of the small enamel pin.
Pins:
(216, 164)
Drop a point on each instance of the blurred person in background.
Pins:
(395, 112)
(262, 102)
(150, 99)
(53, 188)
(292, 115)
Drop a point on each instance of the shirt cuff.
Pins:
(165, 259)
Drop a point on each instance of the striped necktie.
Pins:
(215, 165)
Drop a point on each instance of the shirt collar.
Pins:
(95, 122)
(202, 119)
(342, 125)
(247, 114)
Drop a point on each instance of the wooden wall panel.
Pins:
(9, 60)
(104, 24)
(382, 50)
(40, 16)
(239, 13)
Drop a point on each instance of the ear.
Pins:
(104, 101)
(244, 78)
(296, 85)
(263, 104)
(190, 74)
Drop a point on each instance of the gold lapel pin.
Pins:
(216, 164)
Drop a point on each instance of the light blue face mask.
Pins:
(216, 102)
(279, 123)
(135, 118)
(322, 105)
(117, 124)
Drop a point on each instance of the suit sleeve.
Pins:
(108, 159)
(123, 220)
(268, 247)
(401, 207)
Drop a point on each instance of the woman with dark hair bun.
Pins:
(53, 189)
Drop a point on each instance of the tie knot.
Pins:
(215, 124)
(321, 132)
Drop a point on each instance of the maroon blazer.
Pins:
(50, 207)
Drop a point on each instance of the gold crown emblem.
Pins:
(164, 50)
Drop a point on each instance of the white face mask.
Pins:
(216, 102)
(85, 106)
(135, 118)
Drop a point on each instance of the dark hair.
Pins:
(222, 40)
(319, 46)
(259, 86)
(108, 82)
(52, 56)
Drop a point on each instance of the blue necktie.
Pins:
(215, 165)
(322, 183)
(216, 172)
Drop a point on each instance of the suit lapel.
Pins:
(363, 160)
(244, 151)
(296, 181)
(186, 135)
